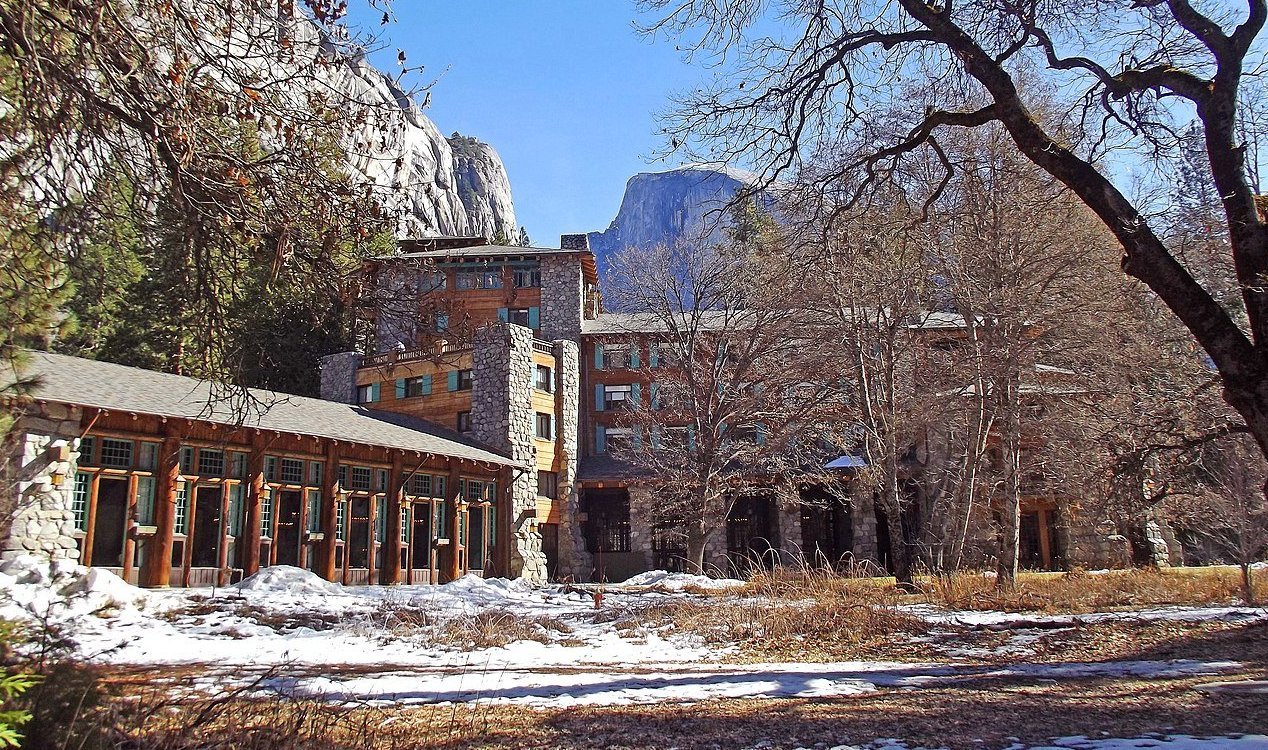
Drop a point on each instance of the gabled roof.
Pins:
(112, 387)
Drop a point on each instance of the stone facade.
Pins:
(502, 365)
(46, 451)
(574, 560)
(562, 297)
(339, 377)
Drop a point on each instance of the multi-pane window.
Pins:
(365, 393)
(528, 277)
(292, 471)
(438, 486)
(519, 316)
(548, 484)
(464, 421)
(617, 397)
(360, 478)
(270, 468)
(543, 379)
(87, 457)
(341, 520)
(145, 501)
(486, 279)
(418, 485)
(479, 491)
(238, 465)
(464, 380)
(314, 511)
(545, 426)
(617, 439)
(79, 500)
(415, 387)
(210, 463)
(315, 470)
(464, 280)
(116, 454)
(187, 460)
(266, 512)
(182, 507)
(616, 357)
(405, 524)
(380, 480)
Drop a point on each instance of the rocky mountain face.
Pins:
(664, 207)
(446, 186)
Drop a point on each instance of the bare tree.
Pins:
(729, 410)
(842, 72)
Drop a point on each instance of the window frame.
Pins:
(549, 382)
(548, 420)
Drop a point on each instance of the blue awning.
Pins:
(846, 462)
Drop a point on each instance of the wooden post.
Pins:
(391, 546)
(129, 530)
(157, 569)
(503, 516)
(85, 557)
(325, 563)
(255, 494)
(222, 555)
(451, 560)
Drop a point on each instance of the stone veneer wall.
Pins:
(339, 377)
(561, 298)
(43, 522)
(502, 417)
(863, 527)
(574, 560)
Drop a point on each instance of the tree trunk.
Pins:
(1010, 503)
(899, 551)
(1248, 584)
(697, 539)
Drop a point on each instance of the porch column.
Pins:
(325, 563)
(391, 546)
(504, 517)
(451, 560)
(255, 492)
(156, 571)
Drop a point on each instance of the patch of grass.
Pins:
(494, 628)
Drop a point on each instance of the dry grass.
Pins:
(1080, 592)
(493, 628)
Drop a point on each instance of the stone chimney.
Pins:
(339, 377)
(575, 242)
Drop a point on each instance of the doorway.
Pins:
(288, 536)
(420, 537)
(206, 552)
(110, 527)
(359, 533)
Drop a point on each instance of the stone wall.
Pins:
(502, 417)
(561, 299)
(339, 377)
(43, 476)
(574, 561)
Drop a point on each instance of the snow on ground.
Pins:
(304, 636)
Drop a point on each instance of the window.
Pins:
(235, 509)
(145, 501)
(545, 426)
(528, 277)
(442, 322)
(210, 463)
(464, 280)
(464, 421)
(365, 394)
(148, 456)
(360, 478)
(315, 469)
(438, 486)
(490, 279)
(544, 379)
(662, 355)
(380, 480)
(418, 485)
(617, 397)
(292, 471)
(116, 454)
(616, 357)
(270, 468)
(266, 513)
(182, 507)
(187, 460)
(464, 380)
(548, 484)
(314, 511)
(419, 386)
(431, 281)
(618, 439)
(238, 465)
(79, 501)
(519, 316)
(86, 455)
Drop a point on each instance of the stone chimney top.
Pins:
(577, 242)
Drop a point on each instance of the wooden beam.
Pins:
(157, 570)
(325, 563)
(391, 546)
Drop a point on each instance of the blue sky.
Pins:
(565, 90)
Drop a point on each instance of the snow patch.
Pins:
(287, 579)
(667, 581)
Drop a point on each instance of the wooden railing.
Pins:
(412, 355)
(545, 347)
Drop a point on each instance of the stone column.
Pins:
(43, 480)
(863, 526)
(502, 417)
(562, 296)
(574, 560)
(791, 548)
(339, 377)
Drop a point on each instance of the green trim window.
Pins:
(292, 471)
(439, 485)
(87, 454)
(315, 470)
(418, 485)
(528, 278)
(380, 519)
(145, 501)
(314, 511)
(270, 468)
(266, 512)
(380, 480)
(238, 465)
(405, 524)
(210, 463)
(79, 500)
(116, 454)
(341, 520)
(182, 508)
(360, 478)
(235, 509)
(147, 456)
(187, 460)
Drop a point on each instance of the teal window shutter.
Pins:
(598, 356)
(400, 388)
(442, 322)
(637, 435)
(503, 314)
(636, 394)
(376, 391)
(655, 394)
(657, 434)
(759, 431)
(653, 354)
(634, 365)
(453, 380)
(598, 397)
(534, 318)
(426, 385)
(691, 437)
(599, 434)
